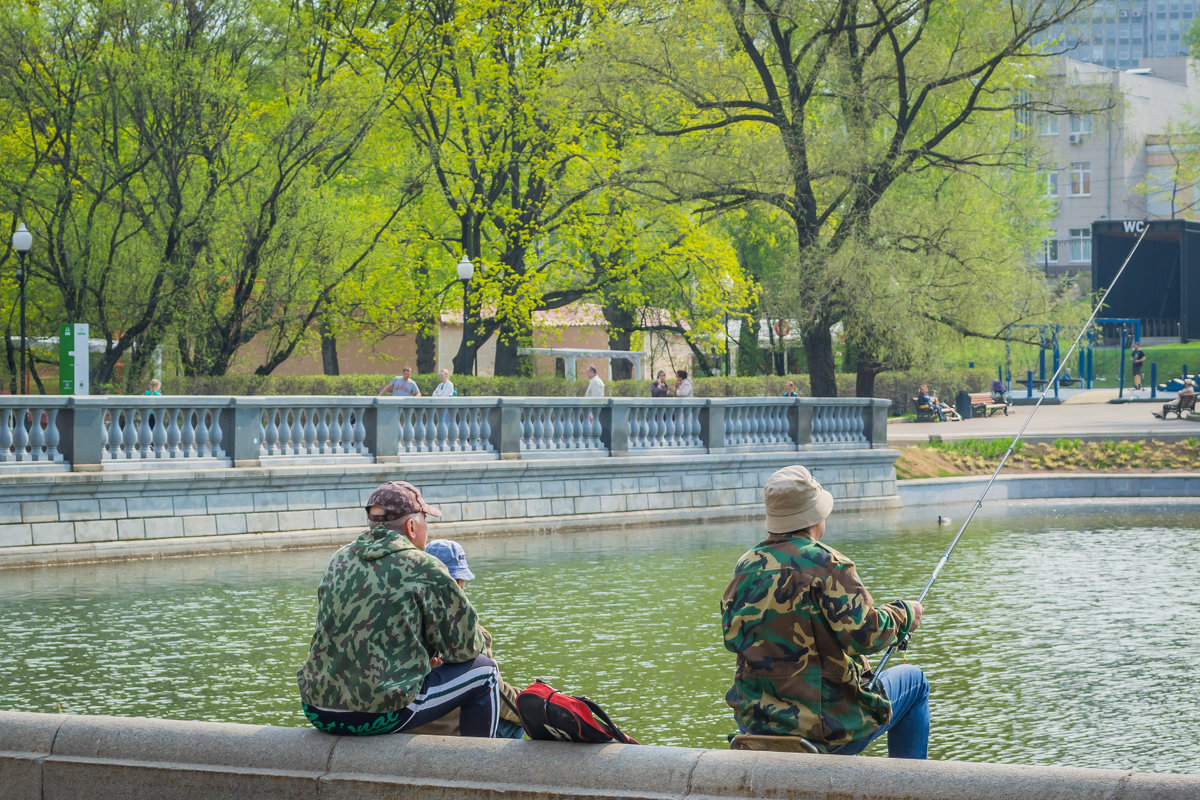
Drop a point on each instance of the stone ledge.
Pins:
(62, 757)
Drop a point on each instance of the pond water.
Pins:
(1059, 638)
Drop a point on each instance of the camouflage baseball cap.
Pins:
(398, 498)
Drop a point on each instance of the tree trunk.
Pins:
(749, 354)
(513, 335)
(426, 353)
(329, 354)
(818, 347)
(864, 383)
(620, 323)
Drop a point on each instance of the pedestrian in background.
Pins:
(402, 385)
(683, 385)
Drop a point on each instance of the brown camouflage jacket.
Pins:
(801, 622)
(384, 608)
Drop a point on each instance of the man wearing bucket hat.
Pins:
(801, 624)
(397, 643)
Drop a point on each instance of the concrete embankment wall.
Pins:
(62, 517)
(62, 757)
(957, 491)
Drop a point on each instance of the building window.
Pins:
(1081, 178)
(1081, 123)
(1051, 183)
(1079, 244)
(1051, 251)
(1047, 125)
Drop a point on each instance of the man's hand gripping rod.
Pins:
(902, 645)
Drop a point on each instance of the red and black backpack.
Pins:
(548, 714)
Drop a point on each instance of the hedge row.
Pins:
(895, 386)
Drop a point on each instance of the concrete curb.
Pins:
(62, 757)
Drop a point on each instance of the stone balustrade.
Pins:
(122, 433)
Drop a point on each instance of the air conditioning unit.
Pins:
(1075, 138)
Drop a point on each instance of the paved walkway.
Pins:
(1082, 414)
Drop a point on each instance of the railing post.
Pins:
(382, 423)
(712, 426)
(82, 436)
(242, 426)
(800, 419)
(505, 420)
(876, 423)
(614, 427)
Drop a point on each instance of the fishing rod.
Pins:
(902, 645)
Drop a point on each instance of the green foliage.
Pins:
(977, 448)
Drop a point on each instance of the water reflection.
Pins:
(1049, 638)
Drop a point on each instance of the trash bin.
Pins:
(962, 404)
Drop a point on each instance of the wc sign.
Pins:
(1135, 225)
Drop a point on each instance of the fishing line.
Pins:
(902, 645)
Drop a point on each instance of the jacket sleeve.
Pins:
(451, 625)
(860, 626)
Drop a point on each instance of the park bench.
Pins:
(982, 405)
(1185, 402)
(924, 414)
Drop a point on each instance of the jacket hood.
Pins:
(378, 542)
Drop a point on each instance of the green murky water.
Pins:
(1062, 638)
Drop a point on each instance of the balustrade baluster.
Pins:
(347, 430)
(172, 418)
(539, 428)
(53, 436)
(271, 432)
(307, 444)
(203, 449)
(115, 436)
(216, 436)
(322, 432)
(7, 429)
(158, 435)
(187, 433)
(37, 437)
(360, 431)
(474, 417)
(637, 427)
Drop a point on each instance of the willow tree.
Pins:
(819, 109)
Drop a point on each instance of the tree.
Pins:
(819, 109)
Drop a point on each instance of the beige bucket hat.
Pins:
(795, 500)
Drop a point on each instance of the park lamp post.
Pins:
(22, 240)
(466, 271)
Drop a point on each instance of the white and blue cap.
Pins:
(451, 553)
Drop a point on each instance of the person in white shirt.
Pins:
(445, 387)
(595, 387)
(683, 386)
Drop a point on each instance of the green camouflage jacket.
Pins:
(801, 622)
(384, 608)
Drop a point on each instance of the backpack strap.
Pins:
(613, 730)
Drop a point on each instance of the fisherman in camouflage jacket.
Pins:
(801, 624)
(397, 642)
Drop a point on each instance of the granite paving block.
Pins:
(101, 530)
(345, 498)
(562, 506)
(233, 502)
(190, 504)
(615, 503)
(624, 485)
(349, 517)
(694, 481)
(230, 523)
(10, 513)
(508, 490)
(113, 508)
(658, 500)
(553, 489)
(472, 511)
(270, 501)
(451, 512)
(636, 502)
(296, 521)
(326, 518)
(539, 507)
(152, 506)
(590, 504)
(16, 535)
(131, 528)
(199, 526)
(595, 487)
(514, 509)
(39, 511)
(304, 501)
(482, 491)
(648, 484)
(529, 489)
(163, 527)
(263, 521)
(53, 532)
(670, 482)
(78, 509)
(570, 489)
(493, 509)
(746, 496)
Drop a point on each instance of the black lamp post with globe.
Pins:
(22, 241)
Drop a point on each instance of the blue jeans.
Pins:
(908, 729)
